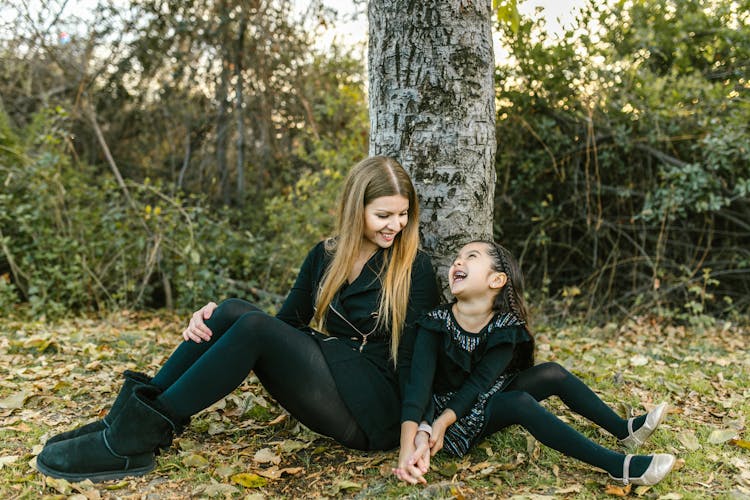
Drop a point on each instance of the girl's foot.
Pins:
(658, 466)
(640, 428)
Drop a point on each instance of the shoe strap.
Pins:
(626, 469)
(630, 426)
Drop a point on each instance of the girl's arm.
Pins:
(494, 362)
(489, 368)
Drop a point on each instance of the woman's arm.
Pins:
(423, 297)
(298, 308)
(415, 398)
(409, 466)
(414, 452)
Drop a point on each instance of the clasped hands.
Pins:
(416, 449)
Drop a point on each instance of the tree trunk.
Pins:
(222, 95)
(432, 106)
(239, 111)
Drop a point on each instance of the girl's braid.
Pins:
(510, 289)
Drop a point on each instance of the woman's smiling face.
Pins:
(385, 217)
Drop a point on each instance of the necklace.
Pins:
(364, 335)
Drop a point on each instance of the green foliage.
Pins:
(624, 156)
(72, 239)
(230, 175)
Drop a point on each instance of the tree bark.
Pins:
(239, 109)
(432, 106)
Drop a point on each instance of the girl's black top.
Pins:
(364, 372)
(448, 358)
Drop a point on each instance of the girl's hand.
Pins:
(436, 441)
(439, 426)
(197, 331)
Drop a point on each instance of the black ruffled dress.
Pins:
(456, 369)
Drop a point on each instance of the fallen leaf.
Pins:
(639, 360)
(741, 443)
(215, 428)
(688, 440)
(344, 485)
(266, 455)
(274, 472)
(618, 491)
(60, 485)
(439, 490)
(249, 480)
(219, 490)
(447, 469)
(8, 459)
(671, 496)
(15, 400)
(116, 486)
(195, 460)
(719, 436)
(277, 420)
(290, 445)
(224, 470)
(575, 488)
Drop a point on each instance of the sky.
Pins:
(352, 25)
(558, 15)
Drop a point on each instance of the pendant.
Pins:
(364, 341)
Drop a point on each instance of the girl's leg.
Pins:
(518, 407)
(288, 362)
(187, 353)
(550, 379)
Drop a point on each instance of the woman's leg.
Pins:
(288, 362)
(187, 352)
(551, 379)
(518, 407)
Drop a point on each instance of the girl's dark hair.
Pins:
(510, 300)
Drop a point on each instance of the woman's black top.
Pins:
(364, 372)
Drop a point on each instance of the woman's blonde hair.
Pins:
(370, 179)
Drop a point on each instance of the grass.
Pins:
(55, 376)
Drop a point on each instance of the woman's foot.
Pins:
(658, 467)
(636, 437)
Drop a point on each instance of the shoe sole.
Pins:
(94, 477)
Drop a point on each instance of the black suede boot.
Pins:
(125, 448)
(132, 380)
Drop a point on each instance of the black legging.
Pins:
(288, 362)
(519, 404)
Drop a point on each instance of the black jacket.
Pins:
(365, 376)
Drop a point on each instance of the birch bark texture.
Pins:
(432, 106)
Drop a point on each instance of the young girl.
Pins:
(329, 356)
(475, 357)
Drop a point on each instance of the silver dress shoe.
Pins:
(653, 419)
(661, 464)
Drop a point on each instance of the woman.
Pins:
(332, 356)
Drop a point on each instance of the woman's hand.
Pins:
(197, 331)
(421, 456)
(405, 470)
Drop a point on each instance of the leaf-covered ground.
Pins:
(56, 376)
